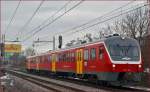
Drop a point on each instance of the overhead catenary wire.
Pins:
(107, 19)
(30, 19)
(12, 17)
(98, 18)
(52, 21)
(46, 20)
(72, 33)
(51, 16)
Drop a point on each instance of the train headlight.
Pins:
(140, 66)
(113, 66)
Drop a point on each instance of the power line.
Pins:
(108, 19)
(103, 16)
(13, 16)
(30, 19)
(48, 18)
(53, 21)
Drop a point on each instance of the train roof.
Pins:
(107, 39)
(71, 47)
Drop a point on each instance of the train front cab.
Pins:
(125, 58)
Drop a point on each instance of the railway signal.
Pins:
(60, 42)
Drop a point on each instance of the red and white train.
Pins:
(112, 60)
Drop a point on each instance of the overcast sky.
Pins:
(86, 11)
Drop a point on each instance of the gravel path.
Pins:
(20, 85)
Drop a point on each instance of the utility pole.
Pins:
(148, 1)
(3, 47)
(53, 42)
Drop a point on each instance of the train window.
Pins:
(68, 56)
(32, 60)
(53, 58)
(64, 57)
(36, 60)
(56, 58)
(48, 58)
(93, 53)
(79, 56)
(101, 53)
(43, 59)
(59, 57)
(86, 55)
(73, 56)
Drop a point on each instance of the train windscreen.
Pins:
(123, 49)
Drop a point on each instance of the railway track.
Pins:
(54, 85)
(70, 85)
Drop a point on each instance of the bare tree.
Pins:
(120, 28)
(143, 23)
(101, 34)
(131, 22)
(106, 30)
(134, 25)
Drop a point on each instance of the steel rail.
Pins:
(46, 83)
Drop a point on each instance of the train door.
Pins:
(37, 63)
(53, 63)
(28, 63)
(79, 61)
